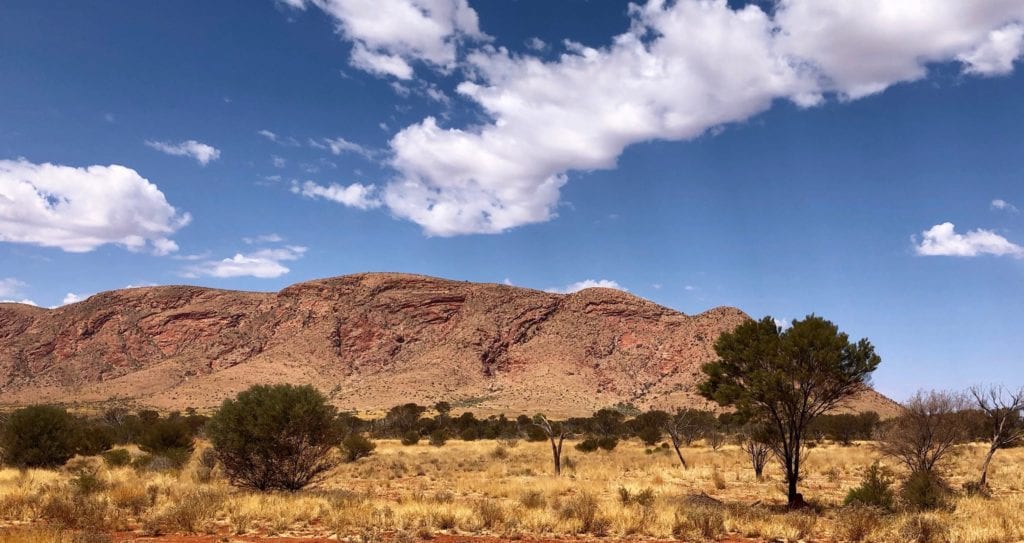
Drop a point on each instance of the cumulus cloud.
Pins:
(80, 209)
(681, 69)
(996, 55)
(71, 298)
(263, 264)
(355, 195)
(10, 286)
(1002, 205)
(943, 240)
(201, 152)
(586, 283)
(388, 36)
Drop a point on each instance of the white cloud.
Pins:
(943, 240)
(10, 286)
(80, 209)
(536, 44)
(997, 54)
(341, 145)
(201, 152)
(264, 238)
(164, 247)
(389, 35)
(782, 323)
(683, 68)
(355, 195)
(586, 283)
(25, 301)
(278, 162)
(71, 298)
(264, 264)
(1002, 205)
(280, 140)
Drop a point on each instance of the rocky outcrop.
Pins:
(369, 341)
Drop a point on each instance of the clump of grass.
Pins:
(856, 523)
(718, 479)
(920, 528)
(704, 522)
(489, 513)
(533, 499)
(584, 509)
(190, 513)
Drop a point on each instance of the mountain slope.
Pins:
(369, 341)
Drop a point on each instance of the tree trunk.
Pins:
(679, 453)
(556, 454)
(796, 499)
(984, 467)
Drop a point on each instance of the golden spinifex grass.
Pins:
(484, 487)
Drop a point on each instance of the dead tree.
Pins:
(1003, 412)
(684, 426)
(929, 427)
(556, 433)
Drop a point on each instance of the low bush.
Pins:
(924, 491)
(116, 458)
(438, 438)
(39, 436)
(587, 445)
(701, 522)
(169, 438)
(875, 489)
(357, 446)
(410, 438)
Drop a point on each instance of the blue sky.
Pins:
(695, 153)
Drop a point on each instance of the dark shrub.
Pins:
(411, 437)
(170, 438)
(94, 437)
(607, 443)
(275, 437)
(116, 458)
(874, 490)
(39, 436)
(587, 445)
(438, 438)
(924, 491)
(357, 446)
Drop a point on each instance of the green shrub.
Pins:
(357, 446)
(39, 436)
(116, 458)
(275, 437)
(411, 437)
(587, 445)
(438, 438)
(607, 443)
(875, 489)
(923, 491)
(170, 438)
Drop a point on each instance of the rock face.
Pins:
(368, 341)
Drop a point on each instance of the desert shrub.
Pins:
(410, 438)
(584, 509)
(75, 510)
(924, 491)
(587, 445)
(643, 498)
(607, 443)
(718, 479)
(702, 522)
(874, 490)
(170, 438)
(489, 513)
(93, 437)
(190, 513)
(130, 497)
(275, 437)
(357, 446)
(116, 458)
(533, 499)
(500, 452)
(922, 529)
(855, 523)
(86, 481)
(39, 436)
(438, 438)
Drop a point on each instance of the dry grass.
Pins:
(463, 487)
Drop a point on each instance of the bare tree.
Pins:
(1003, 412)
(755, 441)
(684, 427)
(927, 430)
(556, 433)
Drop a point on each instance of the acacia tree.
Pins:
(787, 379)
(1003, 412)
(929, 427)
(556, 433)
(754, 441)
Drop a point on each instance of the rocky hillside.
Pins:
(369, 341)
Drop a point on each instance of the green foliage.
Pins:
(788, 378)
(587, 445)
(39, 436)
(357, 446)
(116, 458)
(874, 490)
(275, 437)
(438, 438)
(607, 443)
(923, 491)
(170, 438)
(410, 438)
